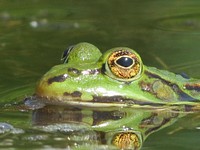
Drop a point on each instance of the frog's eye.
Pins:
(125, 61)
(65, 55)
(125, 65)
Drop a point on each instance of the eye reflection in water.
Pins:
(126, 128)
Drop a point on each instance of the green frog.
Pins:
(118, 78)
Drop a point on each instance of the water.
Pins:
(34, 33)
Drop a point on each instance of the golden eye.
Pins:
(125, 64)
(127, 140)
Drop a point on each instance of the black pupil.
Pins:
(125, 61)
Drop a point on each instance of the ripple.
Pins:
(33, 103)
(5, 127)
(179, 23)
(64, 128)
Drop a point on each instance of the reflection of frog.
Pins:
(117, 78)
(124, 127)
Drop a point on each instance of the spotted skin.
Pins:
(116, 78)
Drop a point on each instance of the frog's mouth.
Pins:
(102, 102)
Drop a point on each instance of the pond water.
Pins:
(33, 35)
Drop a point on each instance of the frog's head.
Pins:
(118, 77)
(88, 75)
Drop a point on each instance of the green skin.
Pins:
(84, 79)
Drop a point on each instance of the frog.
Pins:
(116, 78)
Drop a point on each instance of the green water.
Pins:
(34, 33)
